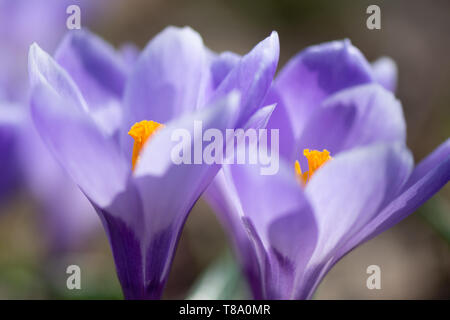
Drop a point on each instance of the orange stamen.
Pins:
(141, 132)
(316, 159)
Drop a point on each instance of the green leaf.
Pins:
(437, 213)
(222, 280)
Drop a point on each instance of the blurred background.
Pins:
(414, 256)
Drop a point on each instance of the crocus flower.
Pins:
(345, 175)
(141, 196)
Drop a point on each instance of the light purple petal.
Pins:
(317, 72)
(281, 121)
(260, 118)
(345, 194)
(282, 220)
(44, 71)
(221, 65)
(90, 158)
(427, 179)
(385, 73)
(351, 118)
(433, 160)
(99, 73)
(94, 65)
(252, 76)
(129, 54)
(222, 196)
(168, 80)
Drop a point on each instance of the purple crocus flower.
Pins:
(174, 81)
(289, 229)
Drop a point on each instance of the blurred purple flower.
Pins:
(288, 235)
(174, 81)
(67, 216)
(10, 119)
(68, 219)
(385, 73)
(23, 22)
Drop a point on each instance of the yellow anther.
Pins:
(141, 132)
(316, 159)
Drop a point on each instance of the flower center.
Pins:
(141, 132)
(316, 159)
